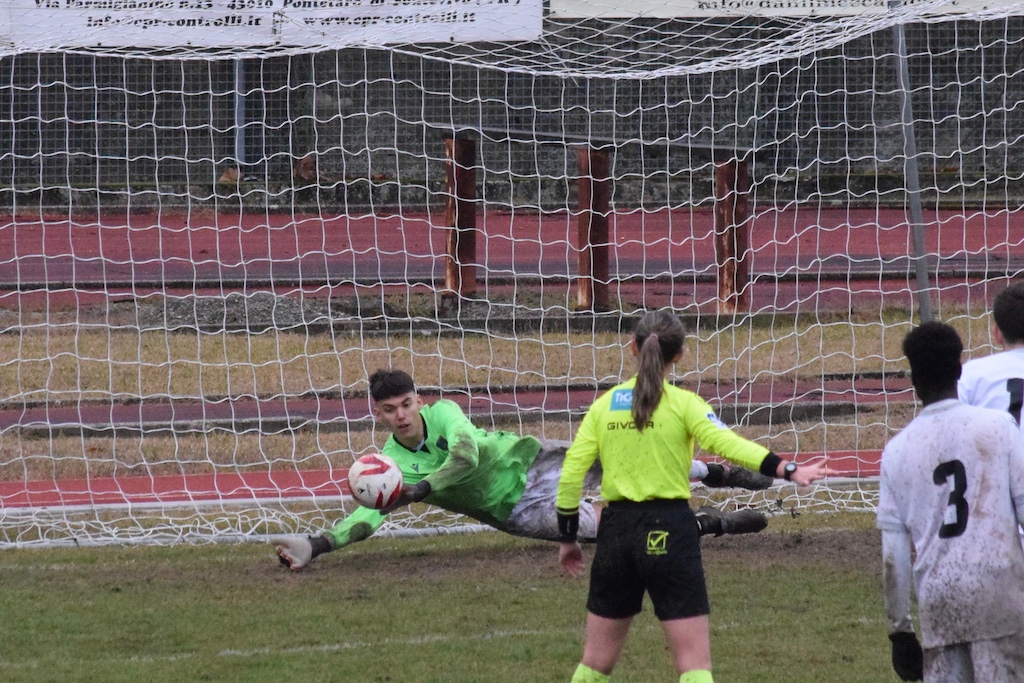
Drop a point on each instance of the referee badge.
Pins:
(657, 542)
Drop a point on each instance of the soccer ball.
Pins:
(375, 480)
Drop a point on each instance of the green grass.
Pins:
(798, 602)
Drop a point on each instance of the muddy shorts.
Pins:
(534, 516)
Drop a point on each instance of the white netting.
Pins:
(204, 251)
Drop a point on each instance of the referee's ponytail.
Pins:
(659, 339)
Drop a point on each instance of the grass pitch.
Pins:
(798, 602)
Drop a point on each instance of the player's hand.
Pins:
(907, 658)
(570, 556)
(409, 495)
(808, 473)
(294, 552)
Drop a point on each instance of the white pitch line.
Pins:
(418, 640)
(328, 647)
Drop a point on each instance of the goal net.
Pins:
(218, 217)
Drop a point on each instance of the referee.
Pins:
(644, 432)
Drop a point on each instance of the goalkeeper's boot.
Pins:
(714, 521)
(720, 476)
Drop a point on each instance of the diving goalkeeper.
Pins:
(499, 478)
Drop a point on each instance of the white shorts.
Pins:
(983, 661)
(535, 515)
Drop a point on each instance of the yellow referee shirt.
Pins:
(653, 463)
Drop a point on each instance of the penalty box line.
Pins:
(311, 649)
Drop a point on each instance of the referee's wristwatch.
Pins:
(788, 470)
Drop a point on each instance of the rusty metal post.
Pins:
(732, 235)
(460, 216)
(594, 199)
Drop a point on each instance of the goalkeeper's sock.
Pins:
(697, 676)
(584, 674)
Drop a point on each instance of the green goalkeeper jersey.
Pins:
(471, 471)
(653, 463)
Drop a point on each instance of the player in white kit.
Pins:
(997, 381)
(952, 490)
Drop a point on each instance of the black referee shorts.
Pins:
(651, 546)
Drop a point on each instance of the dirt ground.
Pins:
(823, 548)
(829, 547)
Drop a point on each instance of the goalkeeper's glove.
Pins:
(907, 657)
(409, 495)
(296, 552)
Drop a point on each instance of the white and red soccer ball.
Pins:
(375, 480)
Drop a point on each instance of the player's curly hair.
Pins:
(385, 384)
(1008, 313)
(659, 337)
(933, 350)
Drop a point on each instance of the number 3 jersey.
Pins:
(953, 479)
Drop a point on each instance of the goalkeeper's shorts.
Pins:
(534, 515)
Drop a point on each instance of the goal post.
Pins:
(219, 217)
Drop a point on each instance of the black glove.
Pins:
(907, 658)
(409, 495)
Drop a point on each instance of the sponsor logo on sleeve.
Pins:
(622, 399)
(713, 419)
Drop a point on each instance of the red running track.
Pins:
(825, 257)
(266, 486)
(173, 490)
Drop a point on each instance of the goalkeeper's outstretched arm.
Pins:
(296, 552)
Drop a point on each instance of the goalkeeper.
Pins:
(499, 478)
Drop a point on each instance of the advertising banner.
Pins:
(670, 9)
(42, 24)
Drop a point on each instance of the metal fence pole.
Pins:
(732, 233)
(460, 216)
(594, 200)
(911, 171)
(240, 116)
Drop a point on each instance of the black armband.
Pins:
(770, 465)
(321, 544)
(568, 526)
